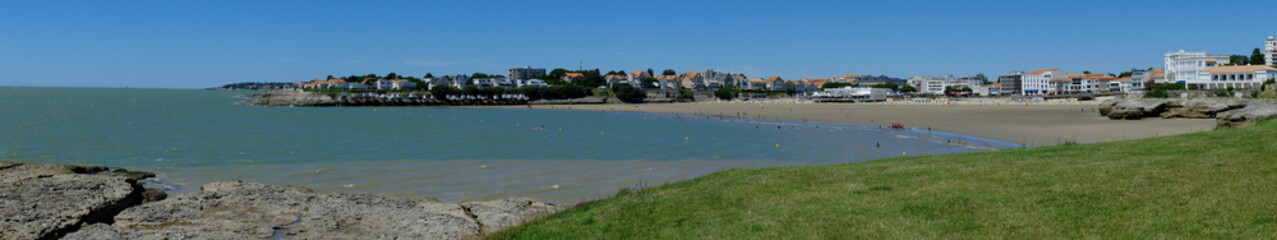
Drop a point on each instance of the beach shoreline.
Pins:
(1030, 124)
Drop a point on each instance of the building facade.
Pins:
(526, 72)
(1224, 77)
(1039, 82)
(1184, 66)
(1010, 83)
(1270, 51)
(1149, 76)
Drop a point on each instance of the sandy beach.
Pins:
(1035, 124)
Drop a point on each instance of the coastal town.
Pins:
(915, 119)
(1183, 72)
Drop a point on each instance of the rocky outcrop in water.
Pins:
(291, 98)
(1229, 112)
(47, 201)
(50, 201)
(297, 98)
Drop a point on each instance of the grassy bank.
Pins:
(1208, 185)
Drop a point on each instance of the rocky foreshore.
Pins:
(300, 98)
(1228, 112)
(52, 201)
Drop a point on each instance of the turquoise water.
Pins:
(194, 136)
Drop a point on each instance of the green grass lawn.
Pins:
(1213, 185)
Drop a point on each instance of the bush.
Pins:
(629, 94)
(1156, 93)
(685, 95)
(726, 93)
(830, 85)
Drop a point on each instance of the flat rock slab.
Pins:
(45, 201)
(1249, 115)
(243, 210)
(498, 215)
(1229, 112)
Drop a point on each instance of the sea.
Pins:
(191, 137)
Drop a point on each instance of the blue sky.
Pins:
(195, 44)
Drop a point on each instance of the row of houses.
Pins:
(379, 84)
(457, 81)
(707, 80)
(1055, 81)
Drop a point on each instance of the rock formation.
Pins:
(49, 201)
(1229, 112)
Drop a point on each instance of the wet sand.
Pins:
(1038, 124)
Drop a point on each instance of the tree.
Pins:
(649, 72)
(392, 75)
(886, 85)
(650, 82)
(1256, 57)
(686, 95)
(329, 77)
(982, 78)
(1086, 72)
(558, 73)
(429, 75)
(470, 90)
(1238, 60)
(1128, 73)
(629, 94)
(908, 88)
(484, 75)
(830, 85)
(669, 72)
(726, 93)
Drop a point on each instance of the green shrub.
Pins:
(629, 94)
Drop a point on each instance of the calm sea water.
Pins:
(191, 137)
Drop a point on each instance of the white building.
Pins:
(928, 85)
(1184, 66)
(1039, 82)
(988, 90)
(861, 94)
(1270, 51)
(532, 83)
(526, 72)
(1126, 85)
(1223, 77)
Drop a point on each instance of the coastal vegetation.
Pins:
(1208, 185)
(1159, 90)
(629, 94)
(727, 94)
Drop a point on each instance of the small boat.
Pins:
(897, 126)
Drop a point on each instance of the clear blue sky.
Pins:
(194, 44)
